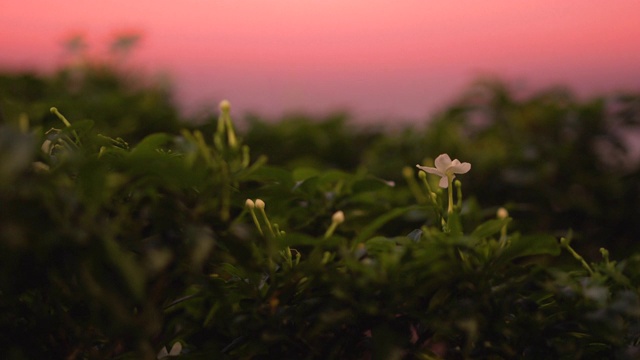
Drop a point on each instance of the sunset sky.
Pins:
(376, 58)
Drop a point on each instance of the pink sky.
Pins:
(377, 58)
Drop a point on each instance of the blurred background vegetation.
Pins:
(111, 251)
(557, 162)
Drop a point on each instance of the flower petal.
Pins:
(460, 168)
(431, 170)
(176, 349)
(162, 354)
(444, 182)
(442, 162)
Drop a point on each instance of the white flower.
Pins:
(446, 169)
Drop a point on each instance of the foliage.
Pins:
(296, 140)
(114, 248)
(555, 161)
(120, 101)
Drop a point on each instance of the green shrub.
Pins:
(116, 249)
(119, 102)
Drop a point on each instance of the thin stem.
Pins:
(336, 219)
(431, 195)
(503, 236)
(458, 185)
(330, 230)
(565, 243)
(255, 220)
(57, 113)
(450, 189)
(266, 220)
(407, 172)
(66, 122)
(231, 134)
(251, 205)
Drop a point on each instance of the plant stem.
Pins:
(450, 188)
(577, 256)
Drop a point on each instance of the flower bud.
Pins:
(250, 204)
(260, 204)
(338, 217)
(225, 106)
(502, 213)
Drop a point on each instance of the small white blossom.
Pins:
(446, 169)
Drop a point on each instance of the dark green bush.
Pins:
(118, 243)
(556, 161)
(119, 102)
(117, 250)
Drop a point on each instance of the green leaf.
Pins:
(454, 224)
(334, 175)
(308, 185)
(81, 126)
(378, 222)
(91, 180)
(298, 239)
(367, 185)
(271, 174)
(233, 271)
(380, 244)
(130, 270)
(151, 143)
(490, 227)
(303, 173)
(531, 246)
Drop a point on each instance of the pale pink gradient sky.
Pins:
(376, 58)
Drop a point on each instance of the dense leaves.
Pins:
(553, 159)
(120, 245)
